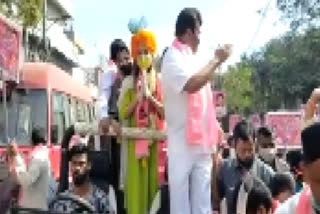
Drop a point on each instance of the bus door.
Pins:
(60, 121)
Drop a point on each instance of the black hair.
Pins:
(78, 149)
(265, 132)
(282, 182)
(294, 158)
(243, 131)
(310, 143)
(38, 136)
(116, 47)
(187, 19)
(258, 195)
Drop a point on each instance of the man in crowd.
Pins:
(234, 170)
(83, 187)
(34, 178)
(267, 150)
(186, 85)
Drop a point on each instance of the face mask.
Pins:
(247, 164)
(144, 61)
(267, 154)
(80, 179)
(126, 69)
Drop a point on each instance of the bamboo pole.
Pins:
(126, 132)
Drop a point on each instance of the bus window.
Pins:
(90, 113)
(80, 112)
(59, 121)
(24, 124)
(27, 109)
(73, 110)
(87, 113)
(66, 109)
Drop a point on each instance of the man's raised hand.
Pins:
(223, 53)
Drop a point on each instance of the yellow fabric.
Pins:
(142, 174)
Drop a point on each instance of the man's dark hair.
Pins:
(310, 138)
(78, 149)
(116, 47)
(265, 132)
(258, 195)
(187, 19)
(243, 131)
(38, 136)
(294, 158)
(282, 182)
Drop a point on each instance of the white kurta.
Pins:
(34, 180)
(105, 86)
(189, 166)
(290, 206)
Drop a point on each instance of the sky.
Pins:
(98, 22)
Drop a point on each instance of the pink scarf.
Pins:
(304, 204)
(142, 145)
(199, 132)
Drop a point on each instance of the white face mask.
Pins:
(267, 154)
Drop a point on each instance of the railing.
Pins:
(126, 132)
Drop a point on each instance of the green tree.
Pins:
(300, 12)
(237, 83)
(286, 70)
(26, 12)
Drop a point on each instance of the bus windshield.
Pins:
(27, 109)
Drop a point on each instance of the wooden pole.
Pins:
(126, 132)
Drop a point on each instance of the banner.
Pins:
(233, 120)
(10, 49)
(255, 121)
(286, 127)
(220, 103)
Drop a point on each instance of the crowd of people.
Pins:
(246, 176)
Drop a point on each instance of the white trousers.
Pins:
(190, 183)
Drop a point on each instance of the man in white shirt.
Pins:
(118, 67)
(189, 165)
(34, 178)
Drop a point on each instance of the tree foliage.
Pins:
(238, 85)
(283, 74)
(300, 12)
(26, 12)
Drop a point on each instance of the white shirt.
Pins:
(290, 206)
(177, 68)
(105, 87)
(34, 180)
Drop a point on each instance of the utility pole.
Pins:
(44, 29)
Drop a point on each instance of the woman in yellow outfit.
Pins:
(140, 105)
